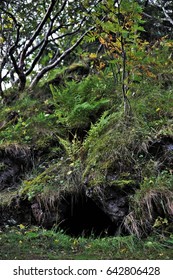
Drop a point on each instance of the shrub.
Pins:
(80, 104)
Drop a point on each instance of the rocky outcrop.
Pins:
(14, 161)
(80, 210)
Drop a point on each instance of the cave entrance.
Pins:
(80, 216)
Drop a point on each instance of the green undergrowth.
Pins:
(59, 178)
(32, 123)
(35, 243)
(79, 133)
(152, 106)
(80, 104)
(122, 144)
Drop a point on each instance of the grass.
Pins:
(36, 243)
(152, 205)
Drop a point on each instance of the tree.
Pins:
(120, 30)
(37, 36)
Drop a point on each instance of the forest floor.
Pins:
(18, 243)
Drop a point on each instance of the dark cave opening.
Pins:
(80, 216)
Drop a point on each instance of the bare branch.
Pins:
(38, 56)
(54, 24)
(17, 69)
(163, 6)
(61, 9)
(59, 59)
(36, 33)
(50, 33)
(34, 48)
(168, 18)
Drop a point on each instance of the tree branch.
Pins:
(50, 33)
(38, 56)
(58, 60)
(34, 48)
(168, 18)
(12, 49)
(36, 33)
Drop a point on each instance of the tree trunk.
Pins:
(1, 90)
(22, 81)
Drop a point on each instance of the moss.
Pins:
(80, 68)
(6, 197)
(122, 183)
(31, 188)
(34, 121)
(57, 179)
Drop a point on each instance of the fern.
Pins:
(97, 128)
(79, 104)
(82, 114)
(72, 149)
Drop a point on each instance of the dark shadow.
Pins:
(82, 217)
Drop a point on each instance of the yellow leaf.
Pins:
(21, 226)
(151, 182)
(102, 41)
(101, 66)
(75, 242)
(2, 40)
(150, 74)
(168, 44)
(123, 250)
(93, 55)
